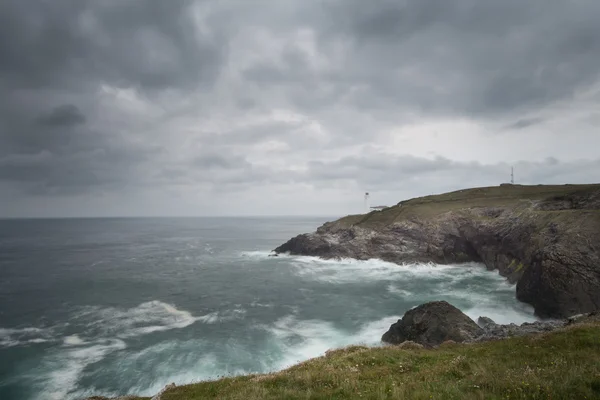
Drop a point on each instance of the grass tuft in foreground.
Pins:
(558, 365)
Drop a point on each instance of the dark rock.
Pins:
(485, 322)
(493, 331)
(431, 324)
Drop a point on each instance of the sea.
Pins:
(118, 306)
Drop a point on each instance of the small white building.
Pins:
(379, 208)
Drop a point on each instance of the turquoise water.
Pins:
(126, 306)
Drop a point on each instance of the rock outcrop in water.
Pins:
(544, 238)
(431, 324)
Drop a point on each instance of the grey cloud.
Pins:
(82, 172)
(385, 172)
(213, 160)
(234, 96)
(151, 44)
(61, 52)
(524, 123)
(468, 57)
(62, 116)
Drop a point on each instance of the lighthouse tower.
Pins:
(367, 209)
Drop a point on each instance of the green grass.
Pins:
(559, 365)
(430, 206)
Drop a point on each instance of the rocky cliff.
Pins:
(544, 238)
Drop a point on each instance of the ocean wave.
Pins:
(58, 374)
(148, 317)
(174, 361)
(11, 337)
(352, 271)
(502, 314)
(258, 254)
(103, 331)
(396, 290)
(73, 340)
(222, 316)
(299, 340)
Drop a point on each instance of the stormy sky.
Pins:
(198, 107)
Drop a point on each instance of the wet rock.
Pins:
(485, 322)
(431, 324)
(493, 331)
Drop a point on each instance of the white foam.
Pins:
(300, 340)
(188, 362)
(263, 305)
(222, 316)
(39, 340)
(10, 337)
(371, 332)
(258, 254)
(73, 340)
(59, 372)
(503, 315)
(148, 317)
(292, 341)
(351, 270)
(394, 289)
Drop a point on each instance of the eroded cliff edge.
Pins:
(544, 238)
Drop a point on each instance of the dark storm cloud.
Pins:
(466, 57)
(62, 116)
(62, 51)
(152, 44)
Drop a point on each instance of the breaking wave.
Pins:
(103, 331)
(149, 317)
(350, 270)
(58, 375)
(300, 340)
(10, 337)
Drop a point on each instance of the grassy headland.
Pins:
(544, 238)
(434, 205)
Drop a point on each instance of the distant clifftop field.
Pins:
(544, 238)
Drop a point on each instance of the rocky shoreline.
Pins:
(438, 322)
(546, 239)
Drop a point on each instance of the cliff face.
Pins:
(544, 238)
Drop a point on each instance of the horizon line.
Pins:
(172, 216)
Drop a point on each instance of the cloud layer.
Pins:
(199, 107)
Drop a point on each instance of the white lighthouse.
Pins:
(367, 208)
